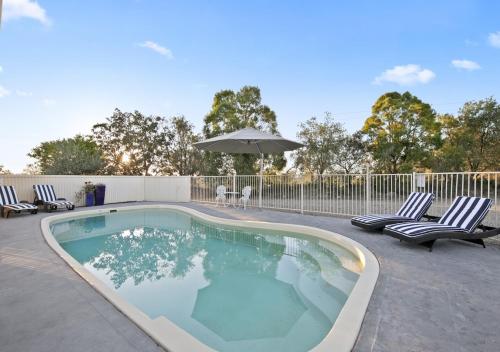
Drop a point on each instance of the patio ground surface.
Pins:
(447, 300)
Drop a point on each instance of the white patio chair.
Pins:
(246, 191)
(220, 195)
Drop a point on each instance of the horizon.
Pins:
(60, 74)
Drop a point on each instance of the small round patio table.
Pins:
(232, 198)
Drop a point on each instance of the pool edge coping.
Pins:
(341, 337)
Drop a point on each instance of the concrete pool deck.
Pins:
(447, 300)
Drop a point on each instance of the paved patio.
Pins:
(447, 300)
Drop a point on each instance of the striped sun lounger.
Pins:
(10, 203)
(45, 194)
(413, 209)
(459, 222)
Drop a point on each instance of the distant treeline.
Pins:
(402, 134)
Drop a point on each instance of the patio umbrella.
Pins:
(249, 141)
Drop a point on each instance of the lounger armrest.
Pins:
(431, 218)
(486, 228)
(60, 198)
(487, 232)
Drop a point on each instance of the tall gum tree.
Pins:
(472, 138)
(402, 133)
(232, 111)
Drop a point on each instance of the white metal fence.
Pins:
(354, 194)
(340, 194)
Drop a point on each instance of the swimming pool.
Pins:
(232, 285)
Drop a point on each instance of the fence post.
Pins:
(413, 182)
(234, 182)
(260, 192)
(302, 196)
(191, 188)
(368, 191)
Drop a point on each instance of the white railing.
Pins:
(328, 194)
(354, 194)
(339, 194)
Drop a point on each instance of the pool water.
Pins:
(233, 288)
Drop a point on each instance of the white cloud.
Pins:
(158, 48)
(406, 75)
(494, 39)
(466, 65)
(4, 92)
(1, 68)
(22, 93)
(48, 102)
(14, 9)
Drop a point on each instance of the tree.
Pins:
(31, 169)
(322, 142)
(351, 155)
(451, 155)
(72, 156)
(4, 171)
(232, 111)
(132, 144)
(181, 157)
(472, 139)
(329, 147)
(402, 133)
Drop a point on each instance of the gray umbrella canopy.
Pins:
(248, 141)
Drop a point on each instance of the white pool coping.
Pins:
(341, 337)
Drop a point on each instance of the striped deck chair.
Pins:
(45, 194)
(10, 203)
(458, 222)
(413, 209)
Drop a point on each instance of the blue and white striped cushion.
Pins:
(8, 195)
(376, 218)
(8, 199)
(413, 209)
(416, 205)
(416, 229)
(466, 212)
(21, 206)
(45, 193)
(60, 203)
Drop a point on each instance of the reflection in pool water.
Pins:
(235, 289)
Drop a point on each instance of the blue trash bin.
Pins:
(89, 199)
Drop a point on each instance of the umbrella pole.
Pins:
(260, 179)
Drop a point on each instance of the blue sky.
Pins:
(66, 65)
